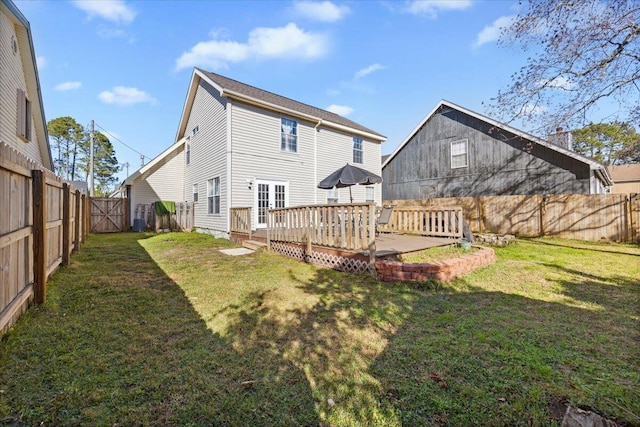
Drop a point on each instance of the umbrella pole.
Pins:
(350, 195)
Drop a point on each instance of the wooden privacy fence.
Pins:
(437, 222)
(42, 221)
(181, 220)
(614, 217)
(349, 226)
(109, 215)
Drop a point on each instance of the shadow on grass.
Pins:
(128, 347)
(119, 343)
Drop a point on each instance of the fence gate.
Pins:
(109, 215)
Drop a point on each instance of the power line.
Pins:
(120, 141)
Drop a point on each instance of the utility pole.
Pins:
(126, 165)
(142, 159)
(91, 159)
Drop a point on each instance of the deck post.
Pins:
(268, 234)
(307, 231)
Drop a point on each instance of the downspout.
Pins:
(229, 166)
(315, 160)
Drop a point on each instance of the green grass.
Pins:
(148, 329)
(437, 254)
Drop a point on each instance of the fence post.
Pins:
(39, 236)
(87, 210)
(83, 224)
(76, 224)
(543, 209)
(65, 223)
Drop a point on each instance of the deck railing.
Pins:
(241, 220)
(346, 226)
(437, 222)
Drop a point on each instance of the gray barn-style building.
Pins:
(455, 152)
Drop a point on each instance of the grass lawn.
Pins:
(148, 329)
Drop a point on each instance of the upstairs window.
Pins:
(213, 196)
(196, 130)
(23, 125)
(357, 150)
(459, 154)
(187, 152)
(289, 131)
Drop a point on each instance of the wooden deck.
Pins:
(392, 244)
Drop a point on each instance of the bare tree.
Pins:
(583, 53)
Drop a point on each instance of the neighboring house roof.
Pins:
(601, 170)
(384, 158)
(252, 95)
(160, 158)
(33, 83)
(625, 173)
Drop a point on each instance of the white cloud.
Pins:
(491, 32)
(433, 7)
(121, 95)
(324, 11)
(533, 110)
(284, 42)
(63, 87)
(368, 70)
(41, 62)
(111, 10)
(341, 110)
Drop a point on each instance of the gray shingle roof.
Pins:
(281, 101)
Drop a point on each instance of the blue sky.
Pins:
(384, 64)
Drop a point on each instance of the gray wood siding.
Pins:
(499, 163)
(208, 151)
(12, 77)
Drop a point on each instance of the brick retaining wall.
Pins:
(446, 271)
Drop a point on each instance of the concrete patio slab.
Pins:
(237, 251)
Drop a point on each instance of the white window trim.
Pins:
(195, 193)
(360, 150)
(187, 153)
(372, 190)
(211, 195)
(466, 153)
(23, 125)
(286, 149)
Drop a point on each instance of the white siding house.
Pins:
(22, 122)
(246, 147)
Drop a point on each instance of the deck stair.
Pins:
(253, 244)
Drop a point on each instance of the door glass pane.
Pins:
(279, 196)
(263, 202)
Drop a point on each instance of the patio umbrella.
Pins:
(347, 176)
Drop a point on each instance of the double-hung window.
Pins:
(195, 192)
(357, 150)
(289, 132)
(460, 154)
(23, 128)
(332, 197)
(213, 196)
(187, 151)
(369, 194)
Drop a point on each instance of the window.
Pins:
(213, 196)
(289, 141)
(195, 192)
(24, 116)
(357, 150)
(459, 157)
(369, 194)
(332, 197)
(187, 153)
(196, 130)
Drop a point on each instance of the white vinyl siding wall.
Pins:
(163, 182)
(208, 157)
(13, 78)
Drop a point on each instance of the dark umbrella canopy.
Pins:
(347, 176)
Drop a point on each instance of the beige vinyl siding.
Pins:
(12, 77)
(208, 151)
(335, 149)
(257, 154)
(163, 182)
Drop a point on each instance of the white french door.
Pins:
(269, 195)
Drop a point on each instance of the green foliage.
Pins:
(609, 143)
(68, 136)
(105, 164)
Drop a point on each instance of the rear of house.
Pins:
(455, 152)
(247, 147)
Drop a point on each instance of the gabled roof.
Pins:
(602, 170)
(234, 89)
(160, 158)
(28, 57)
(625, 173)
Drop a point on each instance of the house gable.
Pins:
(18, 62)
